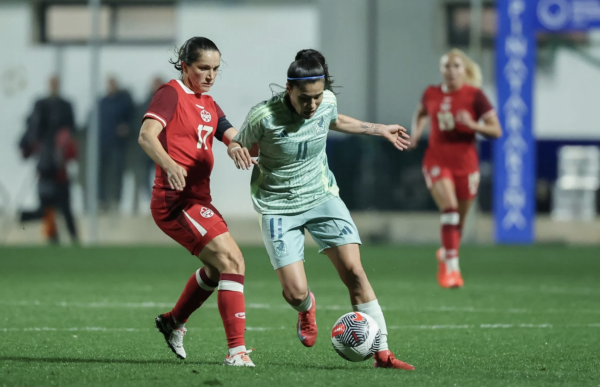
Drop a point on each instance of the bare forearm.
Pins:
(351, 125)
(418, 125)
(487, 129)
(229, 135)
(155, 150)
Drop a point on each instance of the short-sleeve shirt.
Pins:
(190, 123)
(292, 175)
(452, 144)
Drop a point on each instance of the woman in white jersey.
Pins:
(293, 189)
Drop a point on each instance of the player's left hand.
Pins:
(397, 135)
(240, 156)
(464, 117)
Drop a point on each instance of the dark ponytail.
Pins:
(192, 50)
(309, 64)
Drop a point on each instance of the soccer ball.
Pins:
(356, 336)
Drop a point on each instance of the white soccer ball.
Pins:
(356, 336)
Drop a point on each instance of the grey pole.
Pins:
(476, 29)
(92, 135)
(470, 228)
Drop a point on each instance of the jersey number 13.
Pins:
(446, 120)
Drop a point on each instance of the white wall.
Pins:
(566, 98)
(344, 43)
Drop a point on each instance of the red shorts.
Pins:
(190, 223)
(465, 184)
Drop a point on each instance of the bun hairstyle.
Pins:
(192, 50)
(472, 69)
(309, 66)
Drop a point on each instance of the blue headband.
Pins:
(301, 79)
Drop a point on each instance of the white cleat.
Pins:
(173, 337)
(240, 359)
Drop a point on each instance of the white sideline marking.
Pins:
(262, 329)
(283, 306)
(104, 329)
(480, 326)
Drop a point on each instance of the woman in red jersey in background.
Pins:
(458, 110)
(177, 133)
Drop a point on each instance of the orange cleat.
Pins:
(386, 359)
(307, 324)
(446, 277)
(441, 274)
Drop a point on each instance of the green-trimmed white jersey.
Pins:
(292, 174)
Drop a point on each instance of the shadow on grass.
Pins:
(26, 359)
(309, 366)
(103, 361)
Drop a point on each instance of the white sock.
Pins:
(236, 350)
(305, 305)
(452, 265)
(373, 309)
(177, 324)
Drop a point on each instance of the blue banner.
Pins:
(567, 15)
(514, 153)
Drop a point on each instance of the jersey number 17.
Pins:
(203, 132)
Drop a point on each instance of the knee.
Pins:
(231, 262)
(212, 273)
(295, 295)
(448, 204)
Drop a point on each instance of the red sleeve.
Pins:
(163, 105)
(219, 111)
(482, 106)
(424, 98)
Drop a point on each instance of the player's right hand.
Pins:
(176, 176)
(241, 157)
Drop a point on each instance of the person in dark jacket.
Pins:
(116, 111)
(49, 137)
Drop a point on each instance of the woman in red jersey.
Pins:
(458, 110)
(177, 133)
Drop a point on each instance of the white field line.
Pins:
(104, 329)
(263, 329)
(282, 306)
(525, 289)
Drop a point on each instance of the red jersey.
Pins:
(452, 144)
(190, 123)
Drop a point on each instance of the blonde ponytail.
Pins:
(472, 69)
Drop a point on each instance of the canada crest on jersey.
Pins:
(204, 114)
(206, 212)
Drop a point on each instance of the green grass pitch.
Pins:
(527, 316)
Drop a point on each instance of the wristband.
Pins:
(230, 150)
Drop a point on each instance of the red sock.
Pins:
(450, 232)
(197, 290)
(232, 308)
